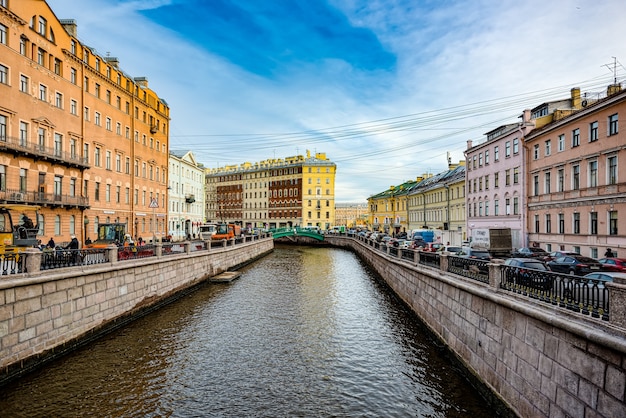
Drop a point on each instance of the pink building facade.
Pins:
(576, 187)
(495, 181)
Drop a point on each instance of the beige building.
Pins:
(577, 191)
(186, 195)
(82, 138)
(352, 215)
(388, 210)
(295, 191)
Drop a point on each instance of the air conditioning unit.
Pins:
(18, 196)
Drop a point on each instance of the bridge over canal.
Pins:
(296, 231)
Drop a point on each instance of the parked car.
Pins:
(418, 243)
(590, 289)
(556, 254)
(613, 264)
(529, 272)
(605, 276)
(433, 246)
(474, 253)
(451, 249)
(530, 252)
(577, 264)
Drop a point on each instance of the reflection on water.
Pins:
(305, 332)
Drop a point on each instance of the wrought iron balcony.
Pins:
(16, 147)
(189, 198)
(44, 199)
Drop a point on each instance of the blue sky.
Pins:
(386, 88)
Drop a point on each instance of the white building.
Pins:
(186, 195)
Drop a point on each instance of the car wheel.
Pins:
(572, 272)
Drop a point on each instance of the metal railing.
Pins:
(136, 251)
(11, 263)
(429, 259)
(578, 294)
(53, 259)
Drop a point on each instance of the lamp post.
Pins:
(85, 223)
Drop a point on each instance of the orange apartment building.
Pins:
(78, 136)
(576, 183)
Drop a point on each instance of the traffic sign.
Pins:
(154, 204)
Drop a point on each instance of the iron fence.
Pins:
(427, 258)
(11, 263)
(54, 259)
(469, 267)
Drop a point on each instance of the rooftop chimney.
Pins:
(70, 27)
(469, 143)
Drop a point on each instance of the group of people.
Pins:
(51, 245)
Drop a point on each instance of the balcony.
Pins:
(189, 198)
(17, 147)
(44, 199)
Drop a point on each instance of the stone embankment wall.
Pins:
(542, 361)
(50, 313)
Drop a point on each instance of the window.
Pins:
(548, 180)
(496, 178)
(575, 137)
(507, 177)
(593, 131)
(613, 125)
(43, 92)
(612, 170)
(480, 159)
(515, 146)
(58, 100)
(3, 34)
(507, 149)
(576, 177)
(474, 162)
(496, 153)
(96, 156)
(486, 157)
(496, 207)
(97, 118)
(576, 223)
(516, 206)
(58, 144)
(536, 224)
(96, 191)
(3, 128)
(73, 76)
(3, 178)
(507, 206)
(548, 224)
(536, 185)
(548, 147)
(536, 152)
(561, 142)
(23, 83)
(22, 46)
(107, 161)
(516, 175)
(560, 179)
(73, 107)
(42, 26)
(593, 223)
(108, 124)
(97, 90)
(4, 74)
(613, 222)
(107, 193)
(23, 180)
(593, 174)
(23, 134)
(561, 223)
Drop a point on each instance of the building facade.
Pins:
(496, 187)
(577, 191)
(389, 209)
(295, 191)
(352, 215)
(84, 140)
(438, 203)
(186, 195)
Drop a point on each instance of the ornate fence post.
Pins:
(187, 247)
(443, 261)
(32, 262)
(495, 272)
(158, 249)
(111, 252)
(617, 302)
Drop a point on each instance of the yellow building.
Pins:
(295, 191)
(437, 203)
(82, 138)
(388, 210)
(352, 215)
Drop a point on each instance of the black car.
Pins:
(528, 272)
(578, 265)
(530, 252)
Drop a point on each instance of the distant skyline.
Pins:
(384, 88)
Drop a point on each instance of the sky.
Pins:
(387, 89)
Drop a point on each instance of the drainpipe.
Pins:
(448, 210)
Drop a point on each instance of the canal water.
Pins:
(304, 332)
